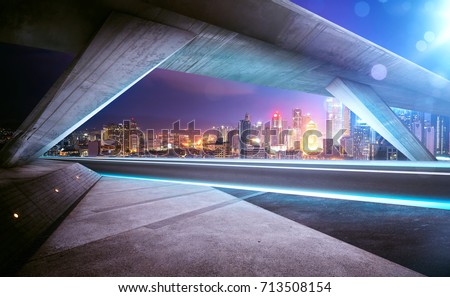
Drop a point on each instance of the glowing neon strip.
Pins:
(277, 167)
(382, 199)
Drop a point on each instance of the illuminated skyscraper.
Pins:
(244, 125)
(150, 139)
(429, 137)
(277, 120)
(347, 119)
(133, 138)
(335, 114)
(134, 143)
(417, 129)
(277, 125)
(441, 124)
(297, 118)
(126, 137)
(297, 128)
(362, 141)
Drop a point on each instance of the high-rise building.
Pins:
(441, 124)
(362, 141)
(335, 115)
(150, 139)
(277, 125)
(417, 130)
(297, 118)
(347, 118)
(244, 125)
(277, 121)
(134, 143)
(297, 127)
(133, 138)
(126, 137)
(429, 137)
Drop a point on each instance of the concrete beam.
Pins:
(124, 51)
(266, 31)
(367, 105)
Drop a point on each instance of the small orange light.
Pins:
(56, 190)
(16, 215)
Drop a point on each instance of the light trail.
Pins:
(230, 164)
(360, 197)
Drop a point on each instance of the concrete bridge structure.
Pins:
(265, 42)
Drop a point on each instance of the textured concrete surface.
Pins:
(143, 228)
(33, 198)
(30, 171)
(270, 30)
(414, 237)
(368, 105)
(123, 51)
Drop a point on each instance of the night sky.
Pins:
(417, 30)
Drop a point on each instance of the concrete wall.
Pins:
(39, 202)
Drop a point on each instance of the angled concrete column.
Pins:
(123, 51)
(366, 104)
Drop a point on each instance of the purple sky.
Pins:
(418, 30)
(166, 96)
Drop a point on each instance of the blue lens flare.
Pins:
(360, 197)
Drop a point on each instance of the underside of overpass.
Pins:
(272, 43)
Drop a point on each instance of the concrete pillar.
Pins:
(366, 104)
(123, 51)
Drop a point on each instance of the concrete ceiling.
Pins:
(273, 43)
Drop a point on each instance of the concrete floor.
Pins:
(414, 237)
(126, 227)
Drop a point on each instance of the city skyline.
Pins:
(295, 136)
(164, 97)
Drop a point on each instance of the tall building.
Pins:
(267, 138)
(277, 121)
(362, 141)
(417, 130)
(277, 125)
(126, 137)
(297, 128)
(348, 115)
(442, 129)
(297, 119)
(150, 139)
(133, 138)
(429, 137)
(335, 114)
(244, 125)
